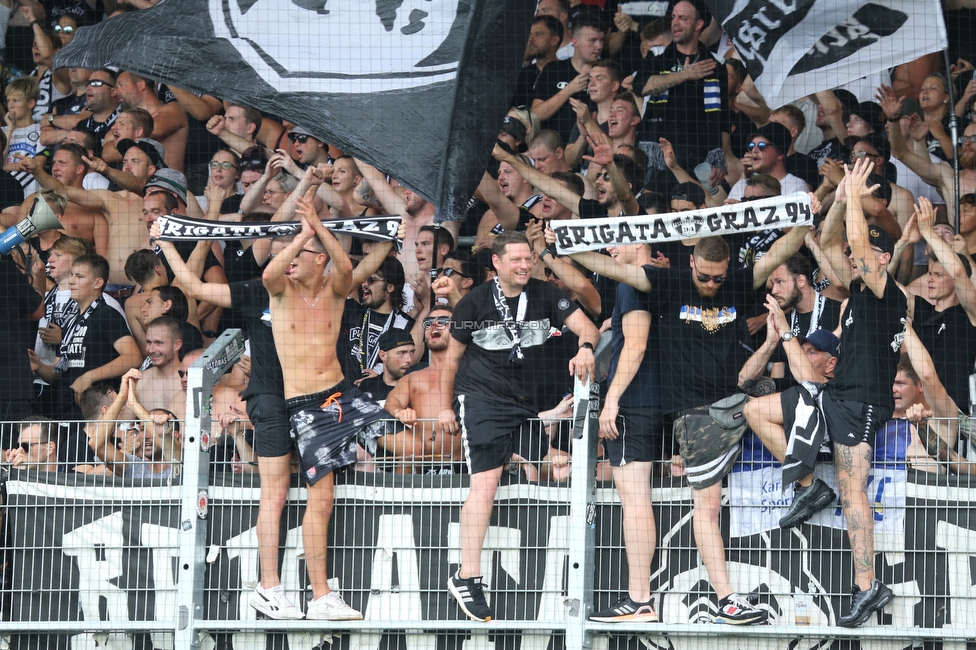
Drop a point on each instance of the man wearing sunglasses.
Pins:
(102, 107)
(767, 149)
(37, 446)
(701, 318)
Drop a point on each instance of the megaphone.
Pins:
(40, 218)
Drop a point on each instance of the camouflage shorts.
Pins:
(708, 449)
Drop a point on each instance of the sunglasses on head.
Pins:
(254, 164)
(758, 145)
(300, 138)
(67, 29)
(98, 83)
(439, 321)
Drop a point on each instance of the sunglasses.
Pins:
(222, 165)
(550, 274)
(182, 373)
(439, 321)
(863, 154)
(98, 83)
(254, 164)
(705, 279)
(448, 272)
(26, 446)
(963, 139)
(373, 279)
(67, 29)
(757, 145)
(605, 176)
(300, 138)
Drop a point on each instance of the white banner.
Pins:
(793, 48)
(578, 235)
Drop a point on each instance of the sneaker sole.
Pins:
(342, 617)
(868, 613)
(460, 602)
(258, 606)
(818, 505)
(756, 620)
(626, 618)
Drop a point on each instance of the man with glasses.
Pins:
(378, 311)
(37, 446)
(254, 161)
(459, 273)
(767, 149)
(101, 111)
(702, 322)
(416, 398)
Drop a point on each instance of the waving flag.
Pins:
(417, 88)
(793, 48)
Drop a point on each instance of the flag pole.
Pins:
(953, 134)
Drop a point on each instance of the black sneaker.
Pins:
(470, 596)
(736, 610)
(807, 501)
(866, 603)
(626, 610)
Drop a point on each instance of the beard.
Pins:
(792, 300)
(967, 160)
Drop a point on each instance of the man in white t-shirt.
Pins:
(767, 148)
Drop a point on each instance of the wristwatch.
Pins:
(50, 119)
(588, 346)
(787, 336)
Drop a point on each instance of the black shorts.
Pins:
(328, 425)
(850, 423)
(491, 433)
(272, 431)
(640, 439)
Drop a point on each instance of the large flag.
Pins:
(418, 88)
(793, 48)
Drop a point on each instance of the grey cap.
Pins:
(169, 180)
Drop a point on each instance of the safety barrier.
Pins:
(108, 562)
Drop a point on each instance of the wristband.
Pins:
(542, 255)
(34, 22)
(894, 118)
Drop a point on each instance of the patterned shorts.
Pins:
(328, 425)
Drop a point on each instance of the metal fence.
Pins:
(100, 561)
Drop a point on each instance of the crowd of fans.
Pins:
(613, 114)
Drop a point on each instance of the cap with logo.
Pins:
(879, 237)
(392, 339)
(823, 340)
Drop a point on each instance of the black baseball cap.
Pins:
(392, 339)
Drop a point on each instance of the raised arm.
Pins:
(545, 184)
(505, 210)
(935, 393)
(614, 270)
(603, 155)
(575, 281)
(778, 252)
(834, 112)
(192, 285)
(341, 264)
(95, 199)
(832, 242)
(872, 273)
(943, 252)
(388, 197)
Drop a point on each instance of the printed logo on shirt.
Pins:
(712, 320)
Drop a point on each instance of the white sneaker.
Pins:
(331, 607)
(273, 603)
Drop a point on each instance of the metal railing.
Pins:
(102, 561)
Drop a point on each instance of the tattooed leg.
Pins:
(852, 465)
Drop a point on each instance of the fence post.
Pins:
(203, 374)
(582, 520)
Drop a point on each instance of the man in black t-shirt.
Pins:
(561, 80)
(494, 361)
(96, 345)
(397, 351)
(545, 35)
(687, 92)
(701, 318)
(945, 319)
(858, 400)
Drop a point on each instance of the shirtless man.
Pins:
(170, 122)
(161, 381)
(415, 399)
(122, 210)
(306, 313)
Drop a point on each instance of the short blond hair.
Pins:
(25, 86)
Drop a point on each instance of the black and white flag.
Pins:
(793, 48)
(578, 235)
(176, 227)
(417, 88)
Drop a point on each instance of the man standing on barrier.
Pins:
(858, 399)
(700, 320)
(494, 360)
(328, 414)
